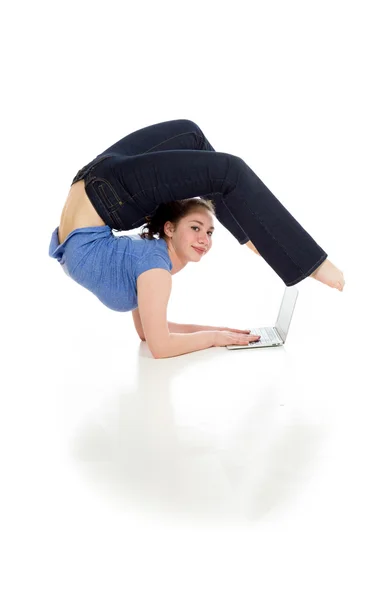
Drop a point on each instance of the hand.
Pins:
(230, 337)
(233, 330)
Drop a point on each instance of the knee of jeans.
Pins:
(191, 125)
(235, 164)
(238, 161)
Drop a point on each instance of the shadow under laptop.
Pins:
(193, 441)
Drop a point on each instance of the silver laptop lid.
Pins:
(286, 311)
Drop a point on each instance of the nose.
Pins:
(204, 242)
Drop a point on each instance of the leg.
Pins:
(327, 272)
(179, 134)
(250, 245)
(300, 247)
(169, 135)
(126, 188)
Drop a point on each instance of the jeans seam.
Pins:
(117, 220)
(311, 270)
(275, 240)
(162, 185)
(246, 239)
(172, 138)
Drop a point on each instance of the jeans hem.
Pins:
(309, 272)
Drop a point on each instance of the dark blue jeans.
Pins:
(173, 160)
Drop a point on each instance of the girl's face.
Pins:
(195, 230)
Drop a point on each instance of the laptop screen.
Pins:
(286, 310)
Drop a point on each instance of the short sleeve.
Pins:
(151, 261)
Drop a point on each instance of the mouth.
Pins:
(199, 251)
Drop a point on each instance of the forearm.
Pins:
(184, 343)
(185, 328)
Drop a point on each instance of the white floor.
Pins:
(214, 474)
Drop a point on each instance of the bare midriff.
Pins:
(77, 212)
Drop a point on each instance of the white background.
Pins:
(214, 474)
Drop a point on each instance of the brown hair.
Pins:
(174, 212)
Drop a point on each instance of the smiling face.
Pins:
(195, 230)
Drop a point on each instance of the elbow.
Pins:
(154, 354)
(158, 348)
(158, 353)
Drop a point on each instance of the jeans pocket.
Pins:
(106, 194)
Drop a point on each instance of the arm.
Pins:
(153, 292)
(185, 328)
(183, 343)
(179, 340)
(184, 338)
(154, 288)
(173, 327)
(138, 324)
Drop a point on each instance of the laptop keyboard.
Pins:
(267, 336)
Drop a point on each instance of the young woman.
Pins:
(154, 176)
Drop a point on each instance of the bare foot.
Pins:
(330, 275)
(326, 273)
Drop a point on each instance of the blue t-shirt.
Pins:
(109, 265)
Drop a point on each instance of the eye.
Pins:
(196, 227)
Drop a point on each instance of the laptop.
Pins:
(276, 335)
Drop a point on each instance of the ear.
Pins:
(169, 228)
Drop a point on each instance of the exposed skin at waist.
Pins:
(77, 212)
